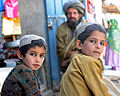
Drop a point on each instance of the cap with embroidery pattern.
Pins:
(27, 39)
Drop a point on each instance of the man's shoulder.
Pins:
(83, 21)
(63, 28)
(63, 25)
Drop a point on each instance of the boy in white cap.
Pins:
(23, 80)
(83, 76)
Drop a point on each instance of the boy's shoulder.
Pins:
(84, 61)
(83, 57)
(88, 59)
(21, 69)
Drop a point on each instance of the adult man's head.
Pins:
(74, 10)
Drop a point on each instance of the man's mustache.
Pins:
(72, 18)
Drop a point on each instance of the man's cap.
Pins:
(27, 39)
(74, 4)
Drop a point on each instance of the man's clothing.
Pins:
(63, 36)
(66, 41)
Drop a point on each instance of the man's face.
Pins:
(73, 16)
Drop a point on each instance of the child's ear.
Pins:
(19, 55)
(78, 44)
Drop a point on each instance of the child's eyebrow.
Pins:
(36, 52)
(33, 51)
(91, 38)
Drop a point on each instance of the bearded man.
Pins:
(74, 11)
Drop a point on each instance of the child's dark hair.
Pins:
(39, 43)
(89, 30)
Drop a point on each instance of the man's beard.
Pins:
(73, 24)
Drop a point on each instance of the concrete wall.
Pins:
(32, 17)
(33, 21)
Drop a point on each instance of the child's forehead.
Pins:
(37, 47)
(37, 50)
(98, 34)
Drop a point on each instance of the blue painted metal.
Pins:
(1, 5)
(55, 16)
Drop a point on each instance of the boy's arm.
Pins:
(92, 74)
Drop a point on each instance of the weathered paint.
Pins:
(55, 16)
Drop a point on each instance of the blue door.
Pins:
(55, 16)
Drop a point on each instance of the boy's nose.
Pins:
(98, 45)
(38, 59)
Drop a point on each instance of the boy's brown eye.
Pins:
(42, 55)
(32, 54)
(102, 43)
(92, 41)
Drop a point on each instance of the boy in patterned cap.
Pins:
(74, 11)
(23, 80)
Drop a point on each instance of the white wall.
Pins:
(98, 10)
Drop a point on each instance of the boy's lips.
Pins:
(97, 52)
(36, 65)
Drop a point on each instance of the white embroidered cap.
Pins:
(27, 39)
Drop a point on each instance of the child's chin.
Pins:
(96, 57)
(35, 68)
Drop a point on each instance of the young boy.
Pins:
(84, 74)
(23, 80)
